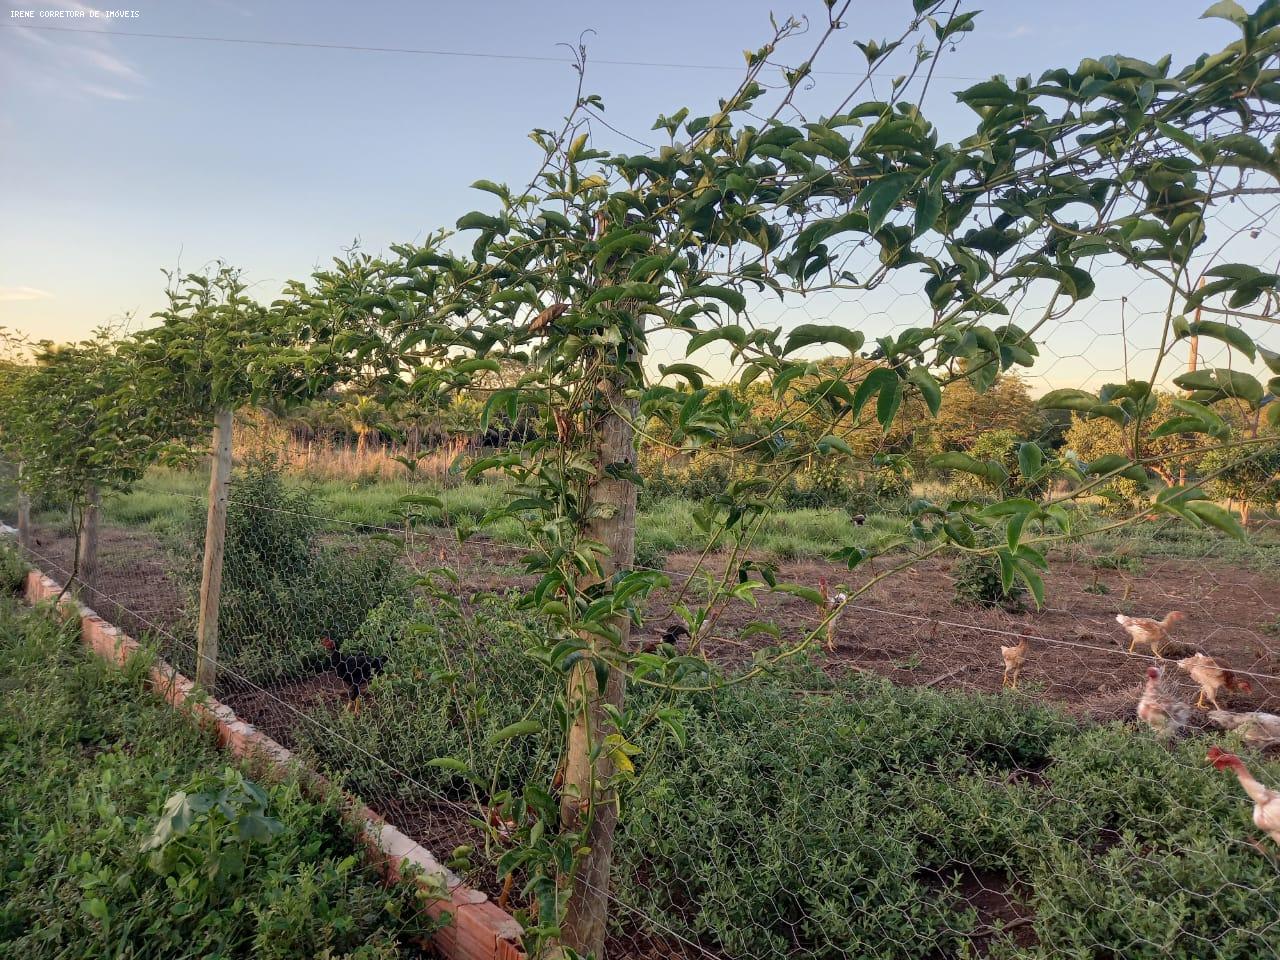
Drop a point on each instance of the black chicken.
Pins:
(670, 637)
(354, 669)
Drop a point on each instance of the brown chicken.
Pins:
(1014, 657)
(1152, 632)
(1213, 678)
(1160, 711)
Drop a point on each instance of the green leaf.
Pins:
(803, 592)
(475, 220)
(490, 187)
(1233, 336)
(882, 195)
(929, 389)
(994, 473)
(521, 728)
(1226, 10)
(735, 335)
(691, 372)
(888, 402)
(928, 208)
(808, 334)
(1216, 516)
(1068, 399)
(735, 300)
(1030, 461)
(832, 442)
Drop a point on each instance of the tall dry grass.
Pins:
(343, 458)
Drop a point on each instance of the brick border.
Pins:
(478, 930)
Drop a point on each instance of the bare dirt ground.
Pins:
(907, 628)
(910, 629)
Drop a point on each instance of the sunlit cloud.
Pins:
(14, 294)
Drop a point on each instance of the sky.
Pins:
(122, 155)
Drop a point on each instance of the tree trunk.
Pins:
(587, 790)
(215, 532)
(88, 561)
(24, 514)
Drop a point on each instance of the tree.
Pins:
(1118, 160)
(1172, 454)
(1115, 162)
(215, 351)
(1244, 475)
(81, 422)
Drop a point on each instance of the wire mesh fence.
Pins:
(843, 740)
(876, 794)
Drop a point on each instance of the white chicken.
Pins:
(1266, 802)
(1159, 711)
(1259, 729)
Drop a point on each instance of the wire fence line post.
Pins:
(214, 540)
(87, 561)
(24, 513)
(588, 767)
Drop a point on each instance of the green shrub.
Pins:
(282, 588)
(452, 682)
(652, 548)
(13, 569)
(978, 582)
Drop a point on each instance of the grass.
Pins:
(1126, 548)
(158, 504)
(88, 758)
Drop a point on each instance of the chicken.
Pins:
(670, 638)
(1159, 711)
(355, 669)
(1213, 677)
(1266, 802)
(1259, 729)
(1014, 657)
(859, 519)
(831, 601)
(1153, 632)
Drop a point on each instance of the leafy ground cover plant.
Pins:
(781, 810)
(128, 834)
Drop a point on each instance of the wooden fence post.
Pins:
(87, 563)
(24, 514)
(215, 532)
(587, 779)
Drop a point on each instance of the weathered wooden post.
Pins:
(24, 514)
(215, 532)
(588, 771)
(87, 561)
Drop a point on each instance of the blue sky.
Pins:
(122, 155)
